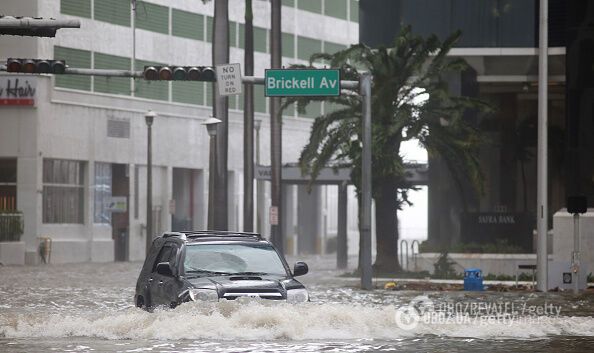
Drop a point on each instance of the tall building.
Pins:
(500, 43)
(73, 158)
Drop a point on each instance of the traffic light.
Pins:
(179, 73)
(36, 66)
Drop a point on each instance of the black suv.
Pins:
(214, 265)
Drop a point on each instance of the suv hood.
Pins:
(231, 287)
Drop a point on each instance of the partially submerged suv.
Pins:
(215, 265)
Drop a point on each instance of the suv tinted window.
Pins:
(165, 255)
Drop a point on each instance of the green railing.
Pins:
(11, 225)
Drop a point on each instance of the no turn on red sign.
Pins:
(229, 79)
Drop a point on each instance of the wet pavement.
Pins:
(89, 308)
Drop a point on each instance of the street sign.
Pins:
(229, 79)
(301, 82)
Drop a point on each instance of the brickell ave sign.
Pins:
(301, 82)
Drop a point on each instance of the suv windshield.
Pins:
(226, 258)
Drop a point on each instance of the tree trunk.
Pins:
(386, 219)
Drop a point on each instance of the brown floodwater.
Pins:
(89, 308)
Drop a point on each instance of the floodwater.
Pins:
(89, 308)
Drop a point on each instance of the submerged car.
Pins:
(215, 265)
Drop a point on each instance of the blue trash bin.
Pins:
(473, 279)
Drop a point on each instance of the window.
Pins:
(102, 192)
(81, 8)
(307, 46)
(209, 25)
(74, 58)
(288, 3)
(331, 48)
(288, 46)
(260, 39)
(336, 8)
(114, 85)
(187, 24)
(113, 11)
(310, 5)
(152, 17)
(63, 191)
(8, 184)
(150, 89)
(187, 92)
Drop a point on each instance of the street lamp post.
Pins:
(259, 183)
(211, 127)
(149, 118)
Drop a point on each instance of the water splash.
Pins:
(256, 320)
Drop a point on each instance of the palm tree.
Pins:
(410, 101)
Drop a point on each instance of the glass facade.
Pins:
(485, 23)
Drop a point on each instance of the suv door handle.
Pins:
(160, 283)
(150, 280)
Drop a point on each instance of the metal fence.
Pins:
(11, 226)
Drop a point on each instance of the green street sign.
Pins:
(301, 82)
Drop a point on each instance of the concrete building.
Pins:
(73, 150)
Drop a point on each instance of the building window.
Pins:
(113, 85)
(8, 184)
(113, 11)
(102, 192)
(307, 46)
(187, 24)
(63, 191)
(74, 58)
(81, 8)
(336, 8)
(309, 5)
(152, 17)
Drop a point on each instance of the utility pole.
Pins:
(542, 209)
(149, 118)
(248, 123)
(220, 55)
(276, 132)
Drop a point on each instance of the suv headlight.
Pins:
(297, 295)
(207, 295)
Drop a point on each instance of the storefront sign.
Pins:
(17, 90)
(117, 204)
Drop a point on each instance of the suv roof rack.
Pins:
(219, 233)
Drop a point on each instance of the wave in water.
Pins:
(265, 320)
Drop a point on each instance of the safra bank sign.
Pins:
(301, 82)
(17, 90)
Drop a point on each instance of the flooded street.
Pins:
(89, 307)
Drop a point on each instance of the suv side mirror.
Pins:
(300, 269)
(165, 269)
